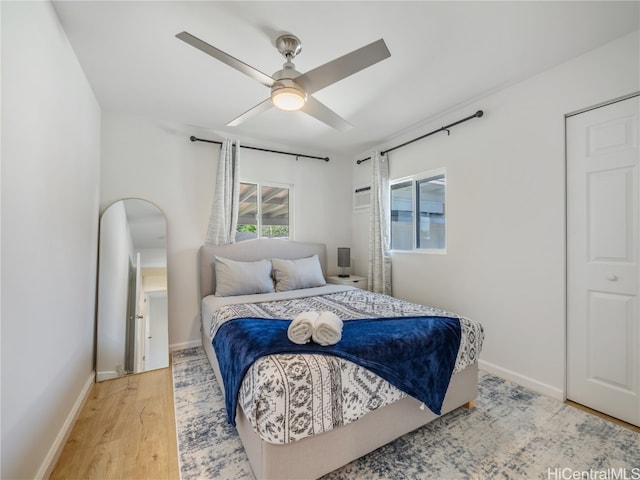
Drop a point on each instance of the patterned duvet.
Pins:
(288, 397)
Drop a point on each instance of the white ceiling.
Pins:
(147, 224)
(443, 55)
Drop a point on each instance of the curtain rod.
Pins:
(196, 139)
(446, 128)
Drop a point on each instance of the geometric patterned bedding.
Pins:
(287, 397)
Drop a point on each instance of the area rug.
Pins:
(512, 433)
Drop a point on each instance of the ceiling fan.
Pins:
(292, 90)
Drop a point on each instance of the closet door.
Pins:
(603, 332)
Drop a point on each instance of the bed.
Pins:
(313, 440)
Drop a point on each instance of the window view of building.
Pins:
(263, 211)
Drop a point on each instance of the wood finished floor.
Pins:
(617, 421)
(126, 430)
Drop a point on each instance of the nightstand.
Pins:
(352, 280)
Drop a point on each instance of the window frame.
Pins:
(415, 180)
(259, 186)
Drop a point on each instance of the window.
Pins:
(264, 211)
(402, 216)
(418, 217)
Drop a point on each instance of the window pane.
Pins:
(275, 212)
(248, 211)
(430, 198)
(402, 216)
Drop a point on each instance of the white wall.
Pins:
(50, 201)
(153, 258)
(155, 160)
(505, 261)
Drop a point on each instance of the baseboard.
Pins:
(174, 347)
(522, 380)
(108, 375)
(51, 459)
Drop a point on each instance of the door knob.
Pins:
(612, 278)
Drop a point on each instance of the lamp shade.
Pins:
(344, 257)
(288, 98)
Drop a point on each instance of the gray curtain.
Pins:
(224, 210)
(379, 227)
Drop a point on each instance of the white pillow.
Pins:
(242, 278)
(295, 274)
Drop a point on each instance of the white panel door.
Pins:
(603, 332)
(158, 337)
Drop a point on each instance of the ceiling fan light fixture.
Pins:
(290, 89)
(288, 98)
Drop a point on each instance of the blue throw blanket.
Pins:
(415, 354)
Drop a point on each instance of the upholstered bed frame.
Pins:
(313, 457)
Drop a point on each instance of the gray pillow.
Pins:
(242, 278)
(296, 274)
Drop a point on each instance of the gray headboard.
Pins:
(251, 251)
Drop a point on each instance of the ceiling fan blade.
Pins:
(259, 108)
(320, 111)
(226, 58)
(342, 67)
